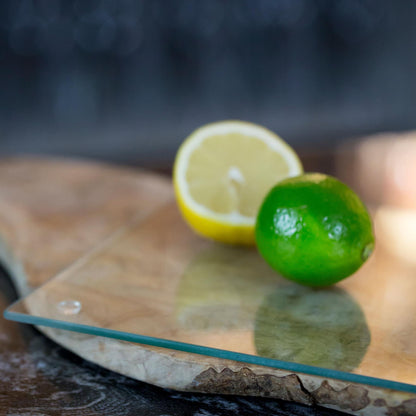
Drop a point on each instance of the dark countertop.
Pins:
(38, 377)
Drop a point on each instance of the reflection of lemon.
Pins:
(319, 327)
(314, 230)
(223, 171)
(222, 288)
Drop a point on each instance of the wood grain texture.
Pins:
(54, 211)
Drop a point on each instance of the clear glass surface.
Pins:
(155, 282)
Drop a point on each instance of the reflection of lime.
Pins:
(314, 230)
(318, 327)
(222, 288)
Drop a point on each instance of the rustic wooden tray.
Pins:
(208, 318)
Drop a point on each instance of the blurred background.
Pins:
(128, 80)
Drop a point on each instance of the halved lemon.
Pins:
(221, 174)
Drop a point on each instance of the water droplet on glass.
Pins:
(69, 307)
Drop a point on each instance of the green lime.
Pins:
(314, 230)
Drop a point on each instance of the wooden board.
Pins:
(54, 211)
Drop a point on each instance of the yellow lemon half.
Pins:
(222, 173)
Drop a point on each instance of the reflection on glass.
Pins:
(230, 289)
(222, 288)
(319, 327)
(158, 283)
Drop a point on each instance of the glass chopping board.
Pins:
(155, 282)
